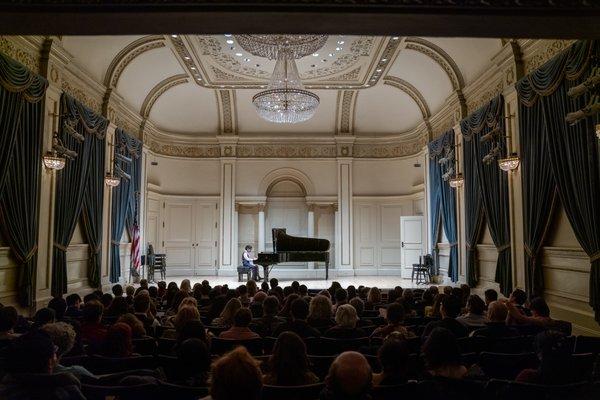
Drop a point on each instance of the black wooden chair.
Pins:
(305, 392)
(145, 345)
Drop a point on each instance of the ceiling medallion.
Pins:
(285, 101)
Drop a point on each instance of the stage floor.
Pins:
(382, 282)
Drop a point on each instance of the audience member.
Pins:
(106, 300)
(73, 306)
(141, 308)
(93, 333)
(555, 353)
(540, 314)
(8, 321)
(320, 313)
(194, 363)
(373, 298)
(442, 355)
(193, 330)
(59, 306)
(129, 292)
(117, 307)
(395, 318)
(236, 376)
(287, 303)
(137, 327)
(496, 326)
(349, 378)
(226, 317)
(118, 341)
(359, 306)
(185, 314)
(43, 316)
(345, 328)
(449, 310)
(266, 324)
(63, 337)
(240, 330)
(288, 364)
(117, 290)
(393, 358)
(341, 297)
(490, 295)
(30, 364)
(297, 322)
(242, 293)
(273, 282)
(434, 311)
(518, 297)
(475, 316)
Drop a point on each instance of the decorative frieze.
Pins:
(389, 150)
(31, 61)
(551, 49)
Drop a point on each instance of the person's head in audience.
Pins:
(153, 292)
(242, 318)
(408, 297)
(92, 312)
(518, 297)
(8, 321)
(539, 308)
(91, 297)
(287, 304)
(204, 292)
(303, 290)
(118, 307)
(226, 317)
(435, 290)
(427, 298)
(251, 288)
(296, 286)
(73, 300)
(392, 295)
(59, 306)
(450, 308)
(351, 292)
(358, 305)
(497, 312)
(129, 290)
(194, 361)
(193, 329)
(137, 327)
(442, 354)
(458, 293)
(144, 283)
(117, 290)
(490, 295)
(393, 357)
(341, 296)
(437, 304)
(273, 282)
(325, 293)
(288, 364)
(270, 306)
(242, 292)
(448, 290)
(141, 304)
(466, 292)
(346, 317)
(264, 286)
(349, 377)
(395, 314)
(320, 308)
(259, 297)
(299, 310)
(118, 341)
(374, 296)
(32, 353)
(187, 302)
(178, 298)
(184, 315)
(236, 376)
(186, 286)
(44, 316)
(62, 335)
(288, 291)
(106, 299)
(475, 305)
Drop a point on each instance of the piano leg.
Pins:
(266, 273)
(326, 270)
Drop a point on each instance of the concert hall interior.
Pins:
(381, 150)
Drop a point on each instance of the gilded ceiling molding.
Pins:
(346, 105)
(410, 90)
(10, 49)
(390, 150)
(159, 90)
(128, 54)
(227, 112)
(438, 55)
(551, 49)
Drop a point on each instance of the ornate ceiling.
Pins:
(191, 86)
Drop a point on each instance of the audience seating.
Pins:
(451, 389)
(513, 345)
(306, 392)
(144, 346)
(329, 346)
(587, 344)
(506, 366)
(222, 346)
(394, 392)
(178, 392)
(106, 365)
(166, 346)
(509, 390)
(320, 365)
(132, 392)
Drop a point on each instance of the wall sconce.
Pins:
(456, 181)
(509, 163)
(598, 131)
(111, 180)
(53, 161)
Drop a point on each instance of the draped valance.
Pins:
(127, 144)
(17, 78)
(91, 122)
(569, 64)
(437, 146)
(490, 115)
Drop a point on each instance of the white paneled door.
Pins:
(190, 236)
(412, 242)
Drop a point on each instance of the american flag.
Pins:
(135, 249)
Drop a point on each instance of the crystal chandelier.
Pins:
(285, 100)
(509, 163)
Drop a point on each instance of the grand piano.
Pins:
(288, 248)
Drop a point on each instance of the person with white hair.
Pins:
(345, 328)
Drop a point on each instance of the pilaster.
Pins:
(227, 211)
(344, 177)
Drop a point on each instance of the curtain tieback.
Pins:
(61, 247)
(453, 244)
(504, 247)
(96, 250)
(595, 257)
(529, 251)
(115, 243)
(471, 248)
(28, 256)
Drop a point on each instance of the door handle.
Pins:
(402, 244)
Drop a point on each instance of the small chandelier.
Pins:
(509, 163)
(111, 180)
(52, 160)
(598, 131)
(456, 181)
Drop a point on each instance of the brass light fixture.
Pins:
(110, 179)
(598, 131)
(509, 163)
(52, 160)
(456, 181)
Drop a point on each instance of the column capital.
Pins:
(237, 207)
(261, 207)
(311, 207)
(334, 207)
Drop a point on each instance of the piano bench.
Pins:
(241, 271)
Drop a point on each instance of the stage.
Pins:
(382, 282)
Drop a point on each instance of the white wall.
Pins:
(388, 177)
(183, 176)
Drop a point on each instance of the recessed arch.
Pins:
(282, 188)
(283, 174)
(410, 90)
(438, 55)
(159, 90)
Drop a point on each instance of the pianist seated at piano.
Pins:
(248, 262)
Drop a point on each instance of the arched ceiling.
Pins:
(192, 85)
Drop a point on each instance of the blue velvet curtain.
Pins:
(572, 151)
(493, 182)
(442, 196)
(435, 200)
(21, 131)
(72, 183)
(125, 197)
